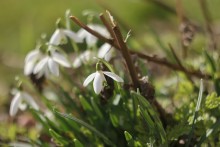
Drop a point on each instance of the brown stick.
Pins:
(108, 26)
(154, 59)
(127, 57)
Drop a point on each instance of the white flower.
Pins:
(50, 64)
(60, 36)
(99, 80)
(105, 52)
(83, 58)
(90, 39)
(17, 102)
(31, 60)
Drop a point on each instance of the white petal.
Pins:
(57, 36)
(61, 59)
(108, 56)
(100, 29)
(98, 82)
(73, 36)
(14, 104)
(40, 65)
(77, 63)
(113, 76)
(103, 50)
(89, 79)
(82, 33)
(28, 68)
(91, 40)
(30, 100)
(22, 106)
(32, 55)
(53, 67)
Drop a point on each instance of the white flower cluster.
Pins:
(46, 63)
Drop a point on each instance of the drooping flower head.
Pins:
(91, 40)
(99, 79)
(60, 35)
(18, 102)
(49, 64)
(31, 61)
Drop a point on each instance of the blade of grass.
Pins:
(91, 128)
(196, 112)
(152, 116)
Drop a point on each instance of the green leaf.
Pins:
(86, 106)
(128, 136)
(211, 62)
(77, 143)
(146, 117)
(212, 101)
(96, 108)
(57, 137)
(129, 139)
(91, 128)
(149, 114)
(196, 112)
(114, 120)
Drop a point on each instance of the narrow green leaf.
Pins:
(114, 119)
(96, 108)
(150, 114)
(147, 117)
(196, 112)
(129, 139)
(128, 136)
(86, 106)
(77, 143)
(57, 137)
(91, 128)
(211, 62)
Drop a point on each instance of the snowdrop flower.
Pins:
(105, 52)
(60, 36)
(83, 58)
(99, 79)
(90, 39)
(31, 60)
(17, 102)
(50, 64)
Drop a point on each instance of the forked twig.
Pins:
(160, 61)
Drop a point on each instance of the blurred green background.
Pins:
(22, 23)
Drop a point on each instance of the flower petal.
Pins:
(61, 59)
(77, 63)
(53, 67)
(98, 82)
(113, 76)
(91, 40)
(82, 33)
(56, 38)
(40, 65)
(30, 100)
(103, 50)
(73, 36)
(89, 79)
(28, 68)
(108, 55)
(32, 55)
(14, 104)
